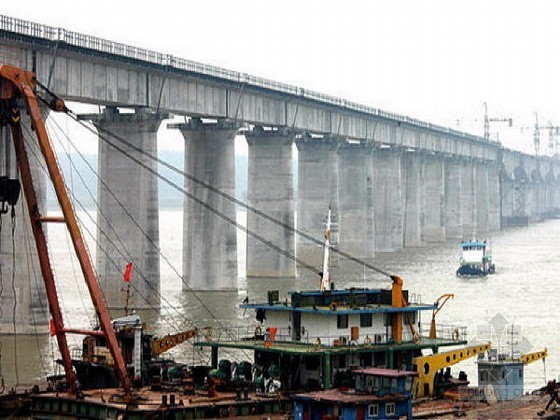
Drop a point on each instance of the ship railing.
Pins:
(447, 331)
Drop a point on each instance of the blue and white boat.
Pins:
(476, 259)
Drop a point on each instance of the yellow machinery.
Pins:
(161, 345)
(533, 357)
(398, 301)
(428, 366)
(445, 298)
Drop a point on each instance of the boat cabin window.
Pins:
(342, 321)
(366, 320)
(373, 410)
(390, 409)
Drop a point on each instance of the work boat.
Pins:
(316, 339)
(476, 259)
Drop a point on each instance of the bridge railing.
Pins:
(19, 26)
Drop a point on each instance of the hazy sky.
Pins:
(434, 60)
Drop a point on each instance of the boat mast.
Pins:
(326, 277)
(18, 84)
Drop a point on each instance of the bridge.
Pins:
(393, 181)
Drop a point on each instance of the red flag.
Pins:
(127, 272)
(52, 328)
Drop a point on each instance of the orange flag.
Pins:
(127, 272)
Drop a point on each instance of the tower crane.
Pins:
(488, 120)
(553, 130)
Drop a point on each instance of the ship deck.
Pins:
(310, 349)
(110, 403)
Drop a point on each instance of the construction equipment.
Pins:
(18, 86)
(445, 297)
(428, 366)
(533, 357)
(398, 301)
(488, 120)
(161, 345)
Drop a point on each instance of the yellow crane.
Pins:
(428, 366)
(445, 297)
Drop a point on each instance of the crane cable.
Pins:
(147, 236)
(153, 308)
(219, 192)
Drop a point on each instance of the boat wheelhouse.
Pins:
(476, 259)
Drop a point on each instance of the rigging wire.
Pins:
(151, 307)
(156, 290)
(140, 228)
(228, 197)
(101, 231)
(30, 264)
(14, 308)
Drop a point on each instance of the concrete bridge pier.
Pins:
(521, 200)
(549, 194)
(23, 300)
(494, 197)
(388, 200)
(413, 189)
(434, 199)
(209, 242)
(537, 195)
(271, 190)
(128, 213)
(453, 216)
(355, 200)
(482, 199)
(468, 199)
(317, 191)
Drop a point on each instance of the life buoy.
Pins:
(367, 340)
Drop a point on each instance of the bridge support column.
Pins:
(537, 195)
(128, 215)
(413, 178)
(507, 200)
(494, 199)
(549, 192)
(453, 219)
(317, 191)
(271, 190)
(209, 242)
(23, 299)
(388, 200)
(521, 198)
(434, 195)
(482, 199)
(468, 199)
(355, 200)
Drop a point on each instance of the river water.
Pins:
(523, 293)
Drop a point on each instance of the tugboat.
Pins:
(476, 260)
